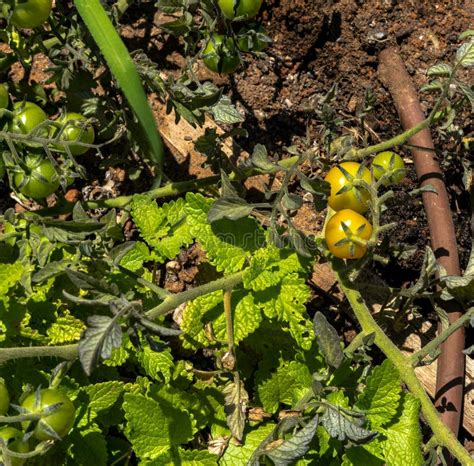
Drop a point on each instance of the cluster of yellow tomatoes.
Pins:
(221, 53)
(348, 231)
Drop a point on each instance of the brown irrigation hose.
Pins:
(450, 375)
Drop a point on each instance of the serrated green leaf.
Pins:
(225, 112)
(133, 260)
(403, 444)
(101, 396)
(184, 458)
(10, 275)
(286, 385)
(154, 427)
(88, 447)
(157, 364)
(357, 456)
(66, 329)
(289, 307)
(240, 455)
(381, 396)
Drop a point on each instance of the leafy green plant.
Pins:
(238, 367)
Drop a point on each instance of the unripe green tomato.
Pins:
(4, 99)
(13, 439)
(391, 164)
(236, 8)
(338, 236)
(4, 398)
(40, 182)
(252, 43)
(354, 198)
(222, 57)
(31, 13)
(60, 420)
(74, 132)
(27, 116)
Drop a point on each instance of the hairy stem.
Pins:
(443, 435)
(63, 352)
(174, 300)
(433, 344)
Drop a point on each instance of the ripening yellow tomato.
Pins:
(346, 234)
(344, 195)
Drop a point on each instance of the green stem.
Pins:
(169, 190)
(173, 301)
(398, 140)
(356, 343)
(64, 352)
(444, 436)
(433, 344)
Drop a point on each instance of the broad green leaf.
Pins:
(286, 385)
(88, 446)
(154, 427)
(102, 396)
(240, 455)
(66, 329)
(403, 444)
(381, 396)
(102, 335)
(184, 458)
(441, 69)
(124, 71)
(157, 364)
(328, 340)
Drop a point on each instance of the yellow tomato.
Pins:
(346, 234)
(344, 195)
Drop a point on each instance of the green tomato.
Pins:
(390, 164)
(27, 116)
(40, 181)
(31, 13)
(221, 56)
(4, 398)
(250, 41)
(240, 8)
(75, 130)
(351, 197)
(4, 99)
(13, 438)
(60, 420)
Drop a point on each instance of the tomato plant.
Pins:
(344, 193)
(4, 398)
(391, 165)
(2, 169)
(4, 99)
(253, 40)
(26, 117)
(30, 13)
(60, 420)
(75, 128)
(220, 54)
(13, 438)
(347, 233)
(39, 180)
(242, 9)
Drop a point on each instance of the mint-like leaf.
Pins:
(381, 396)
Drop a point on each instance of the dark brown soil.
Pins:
(318, 43)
